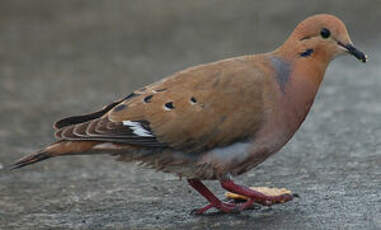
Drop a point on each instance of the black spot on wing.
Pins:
(131, 95)
(169, 105)
(120, 107)
(193, 100)
(148, 99)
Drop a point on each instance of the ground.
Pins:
(59, 58)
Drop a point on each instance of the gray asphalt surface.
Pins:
(59, 58)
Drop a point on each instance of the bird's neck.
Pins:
(307, 77)
(302, 84)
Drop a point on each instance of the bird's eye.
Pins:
(325, 33)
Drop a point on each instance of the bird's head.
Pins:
(323, 36)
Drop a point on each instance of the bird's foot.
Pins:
(261, 195)
(225, 207)
(229, 206)
(237, 195)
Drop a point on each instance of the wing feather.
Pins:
(194, 110)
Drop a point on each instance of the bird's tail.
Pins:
(31, 159)
(59, 148)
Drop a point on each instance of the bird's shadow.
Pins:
(245, 213)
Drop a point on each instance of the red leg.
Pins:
(253, 195)
(214, 201)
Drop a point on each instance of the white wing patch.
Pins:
(137, 128)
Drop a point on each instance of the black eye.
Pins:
(325, 33)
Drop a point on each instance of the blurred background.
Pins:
(59, 58)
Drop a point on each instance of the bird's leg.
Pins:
(254, 196)
(213, 200)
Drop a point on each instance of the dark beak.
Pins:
(355, 52)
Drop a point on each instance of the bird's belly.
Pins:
(240, 157)
(233, 159)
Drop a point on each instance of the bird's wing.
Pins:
(196, 109)
(67, 121)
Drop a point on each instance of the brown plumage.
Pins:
(215, 120)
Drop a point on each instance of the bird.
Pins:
(213, 121)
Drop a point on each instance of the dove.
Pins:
(213, 121)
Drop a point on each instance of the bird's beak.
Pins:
(355, 52)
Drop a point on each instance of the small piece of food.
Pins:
(265, 190)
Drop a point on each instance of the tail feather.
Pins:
(30, 159)
(62, 148)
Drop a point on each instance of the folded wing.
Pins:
(194, 110)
